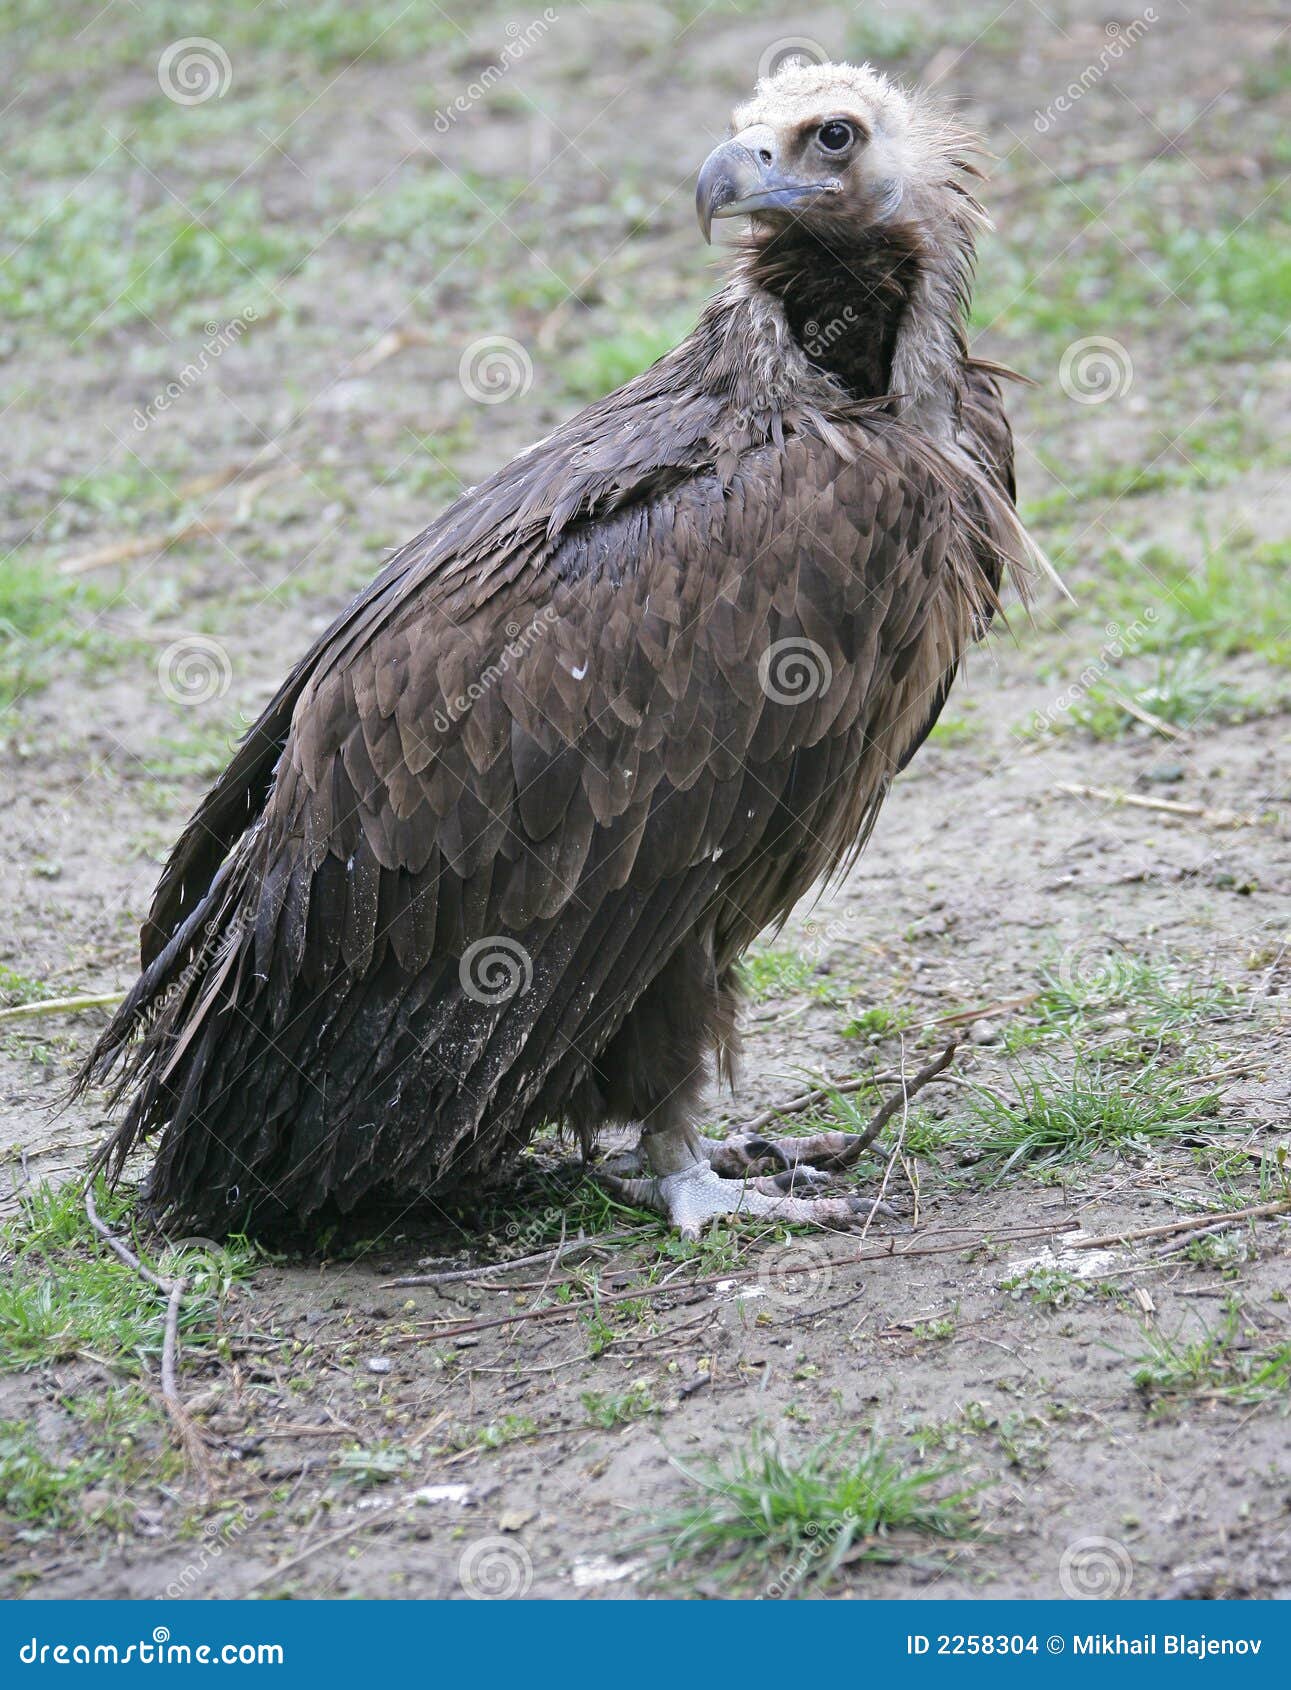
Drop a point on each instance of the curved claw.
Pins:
(759, 1148)
(795, 1178)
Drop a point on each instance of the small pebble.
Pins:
(984, 1033)
(379, 1364)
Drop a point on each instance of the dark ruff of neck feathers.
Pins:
(547, 726)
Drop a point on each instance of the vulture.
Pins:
(488, 861)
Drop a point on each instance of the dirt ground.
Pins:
(1085, 872)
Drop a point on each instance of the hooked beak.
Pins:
(742, 176)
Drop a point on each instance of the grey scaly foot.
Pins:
(691, 1193)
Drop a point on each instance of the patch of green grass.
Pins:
(953, 731)
(1203, 457)
(41, 621)
(1021, 1438)
(879, 1018)
(610, 360)
(63, 1291)
(1053, 1117)
(20, 988)
(791, 1520)
(42, 1492)
(1064, 271)
(934, 1331)
(719, 1249)
(261, 41)
(777, 973)
(602, 1328)
(428, 213)
(90, 260)
(200, 754)
(1183, 692)
(556, 1209)
(112, 1445)
(1268, 76)
(878, 34)
(1229, 1362)
(1046, 1287)
(510, 1429)
(1155, 1000)
(373, 1464)
(619, 1408)
(1235, 599)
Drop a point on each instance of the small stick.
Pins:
(174, 1290)
(810, 1099)
(1181, 1244)
(376, 1518)
(170, 1344)
(982, 1010)
(557, 1254)
(1167, 806)
(901, 1099)
(1167, 730)
(123, 1251)
(62, 1006)
(146, 545)
(822, 1094)
(1190, 1223)
(305, 1432)
(642, 1292)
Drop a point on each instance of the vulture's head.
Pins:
(837, 149)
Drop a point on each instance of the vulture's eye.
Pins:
(835, 136)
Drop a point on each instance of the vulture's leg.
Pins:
(653, 1072)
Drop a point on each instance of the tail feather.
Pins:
(144, 1043)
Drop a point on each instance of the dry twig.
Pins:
(1166, 806)
(641, 1293)
(843, 1088)
(61, 1006)
(1189, 1223)
(174, 1289)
